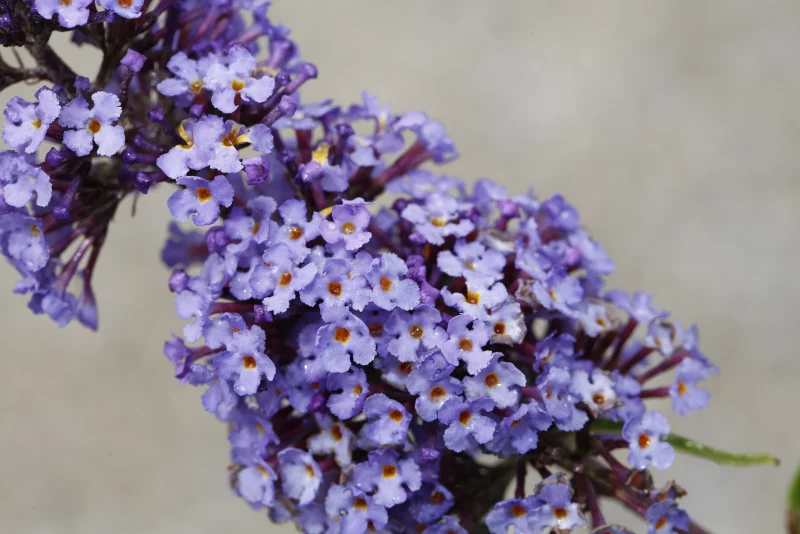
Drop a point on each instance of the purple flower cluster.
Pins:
(382, 366)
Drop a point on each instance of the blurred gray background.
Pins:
(672, 126)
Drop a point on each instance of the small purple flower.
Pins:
(555, 386)
(333, 178)
(300, 475)
(466, 426)
(595, 390)
(437, 219)
(188, 156)
(22, 239)
(256, 485)
(414, 332)
(390, 288)
(519, 432)
(559, 292)
(334, 438)
(516, 513)
(27, 123)
(660, 337)
(684, 393)
(20, 180)
(94, 125)
(343, 338)
(430, 503)
(644, 436)
(497, 381)
(349, 224)
(555, 350)
(388, 476)
(218, 140)
(353, 390)
(129, 9)
(237, 79)
(245, 361)
(200, 200)
(472, 260)
(278, 278)
(355, 511)
(466, 344)
(336, 286)
(419, 184)
(431, 394)
(296, 230)
(481, 297)
(189, 74)
(387, 420)
(664, 517)
(556, 509)
(507, 324)
(70, 14)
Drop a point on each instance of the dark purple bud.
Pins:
(280, 50)
(82, 83)
(399, 205)
(61, 212)
(257, 170)
(196, 110)
(178, 280)
(145, 145)
(133, 60)
(130, 157)
(216, 239)
(317, 402)
(417, 238)
(429, 454)
(307, 72)
(508, 208)
(285, 108)
(101, 17)
(261, 314)
(55, 158)
(156, 115)
(428, 294)
(416, 268)
(145, 180)
(281, 79)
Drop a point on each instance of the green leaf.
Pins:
(693, 448)
(793, 508)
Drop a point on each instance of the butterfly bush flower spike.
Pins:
(391, 348)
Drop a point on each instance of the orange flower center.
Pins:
(359, 503)
(196, 86)
(491, 380)
(286, 279)
(248, 362)
(682, 388)
(598, 398)
(37, 123)
(336, 432)
(389, 471)
(396, 416)
(348, 228)
(203, 194)
(376, 329)
(465, 344)
(437, 497)
(500, 328)
(386, 284)
(473, 298)
(416, 331)
(405, 368)
(94, 126)
(517, 510)
(559, 513)
(438, 221)
(263, 471)
(661, 522)
(341, 335)
(436, 393)
(358, 389)
(295, 233)
(464, 417)
(34, 230)
(644, 441)
(335, 289)
(125, 3)
(310, 471)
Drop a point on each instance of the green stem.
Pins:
(693, 448)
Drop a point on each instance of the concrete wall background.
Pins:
(672, 126)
